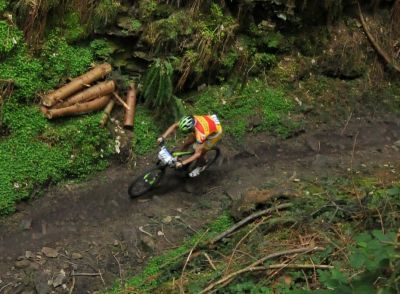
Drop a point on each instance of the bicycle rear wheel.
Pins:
(206, 161)
(145, 182)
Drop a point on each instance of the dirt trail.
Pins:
(95, 228)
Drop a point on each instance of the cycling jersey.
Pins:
(207, 130)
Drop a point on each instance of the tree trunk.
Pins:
(107, 112)
(99, 90)
(131, 101)
(77, 84)
(79, 108)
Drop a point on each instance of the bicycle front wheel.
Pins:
(145, 182)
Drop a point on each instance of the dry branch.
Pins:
(255, 265)
(131, 101)
(77, 109)
(77, 84)
(121, 100)
(107, 113)
(375, 44)
(247, 219)
(99, 90)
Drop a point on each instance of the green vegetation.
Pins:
(38, 152)
(161, 267)
(3, 5)
(267, 110)
(10, 36)
(35, 152)
(146, 132)
(358, 236)
(61, 60)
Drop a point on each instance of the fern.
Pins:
(158, 88)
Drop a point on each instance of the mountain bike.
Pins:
(152, 177)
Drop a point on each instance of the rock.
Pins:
(76, 255)
(26, 224)
(29, 254)
(49, 252)
(148, 243)
(167, 219)
(397, 144)
(20, 264)
(314, 144)
(41, 283)
(59, 279)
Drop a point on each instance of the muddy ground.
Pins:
(91, 235)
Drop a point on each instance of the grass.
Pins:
(159, 268)
(352, 236)
(255, 108)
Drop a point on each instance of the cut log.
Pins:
(131, 101)
(99, 90)
(77, 84)
(44, 110)
(79, 108)
(107, 112)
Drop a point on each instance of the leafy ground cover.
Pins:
(37, 152)
(254, 108)
(354, 219)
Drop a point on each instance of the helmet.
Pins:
(186, 123)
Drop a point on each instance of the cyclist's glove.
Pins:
(178, 165)
(160, 140)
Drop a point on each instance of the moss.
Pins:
(73, 29)
(3, 5)
(255, 108)
(38, 152)
(10, 37)
(26, 72)
(146, 132)
(61, 60)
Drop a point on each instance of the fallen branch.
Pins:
(375, 44)
(188, 258)
(86, 274)
(210, 261)
(107, 113)
(77, 109)
(99, 90)
(240, 242)
(247, 219)
(77, 84)
(131, 101)
(255, 266)
(120, 270)
(121, 101)
(71, 290)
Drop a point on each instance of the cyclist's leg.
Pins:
(201, 162)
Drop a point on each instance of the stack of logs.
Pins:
(80, 96)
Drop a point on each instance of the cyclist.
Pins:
(204, 132)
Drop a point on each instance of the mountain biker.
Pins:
(204, 132)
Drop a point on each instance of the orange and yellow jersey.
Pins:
(206, 127)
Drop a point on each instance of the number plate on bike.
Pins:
(165, 156)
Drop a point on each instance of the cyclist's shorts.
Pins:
(212, 139)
